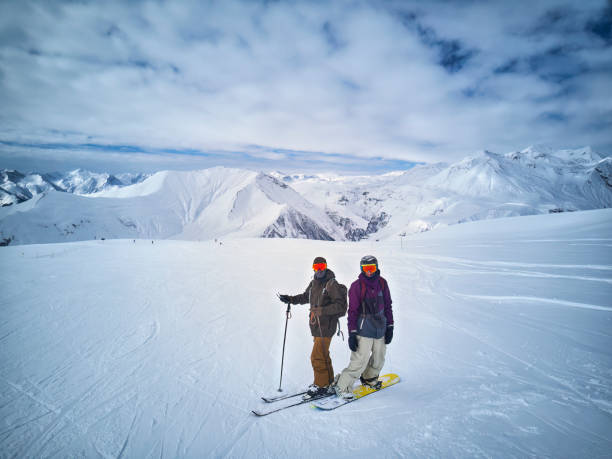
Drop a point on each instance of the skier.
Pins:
(327, 300)
(370, 325)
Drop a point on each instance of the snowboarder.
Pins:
(370, 325)
(327, 300)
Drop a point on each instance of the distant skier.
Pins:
(327, 300)
(370, 325)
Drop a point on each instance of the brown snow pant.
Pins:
(321, 361)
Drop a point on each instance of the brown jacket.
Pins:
(331, 301)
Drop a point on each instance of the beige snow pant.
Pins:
(366, 361)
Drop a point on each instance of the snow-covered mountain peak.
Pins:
(584, 155)
(16, 187)
(229, 202)
(148, 186)
(419, 173)
(298, 215)
(535, 154)
(537, 150)
(290, 177)
(197, 182)
(10, 174)
(478, 175)
(202, 204)
(80, 181)
(539, 171)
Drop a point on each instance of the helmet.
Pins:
(368, 260)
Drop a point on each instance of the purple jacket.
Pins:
(373, 286)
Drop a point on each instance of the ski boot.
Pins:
(374, 383)
(348, 395)
(314, 391)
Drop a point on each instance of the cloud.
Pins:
(407, 81)
(62, 157)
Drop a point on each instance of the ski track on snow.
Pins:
(127, 371)
(428, 274)
(532, 299)
(468, 262)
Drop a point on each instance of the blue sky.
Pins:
(346, 86)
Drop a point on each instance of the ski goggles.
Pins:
(369, 268)
(319, 266)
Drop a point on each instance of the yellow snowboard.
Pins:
(330, 403)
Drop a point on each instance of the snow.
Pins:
(484, 186)
(194, 205)
(503, 343)
(149, 186)
(226, 202)
(16, 187)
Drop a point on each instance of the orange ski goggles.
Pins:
(369, 268)
(319, 266)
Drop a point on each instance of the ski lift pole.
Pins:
(288, 316)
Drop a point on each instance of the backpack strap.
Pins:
(309, 292)
(363, 293)
(326, 284)
(363, 289)
(338, 330)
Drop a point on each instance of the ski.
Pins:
(280, 408)
(276, 398)
(331, 403)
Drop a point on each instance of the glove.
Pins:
(285, 298)
(316, 311)
(389, 334)
(353, 341)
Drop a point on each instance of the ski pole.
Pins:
(288, 316)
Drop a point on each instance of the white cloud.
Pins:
(356, 77)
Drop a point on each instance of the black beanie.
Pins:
(319, 260)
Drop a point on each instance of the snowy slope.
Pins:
(212, 203)
(119, 349)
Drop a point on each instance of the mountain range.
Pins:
(222, 202)
(16, 187)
